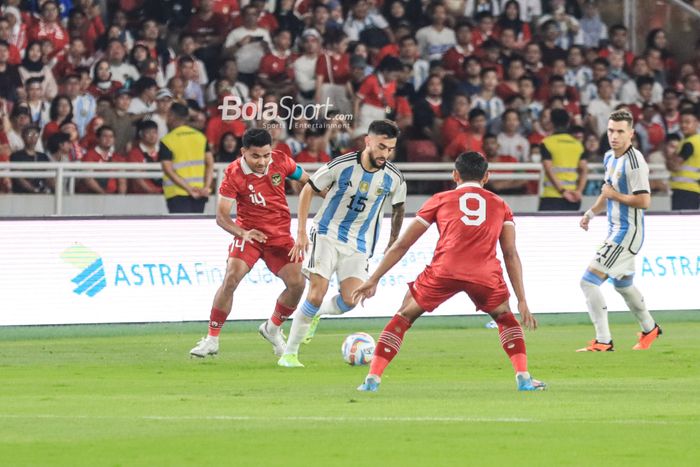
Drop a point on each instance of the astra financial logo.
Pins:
(95, 274)
(91, 279)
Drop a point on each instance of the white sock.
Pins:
(597, 310)
(635, 301)
(213, 338)
(300, 325)
(330, 307)
(525, 374)
(271, 327)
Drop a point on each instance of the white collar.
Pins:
(247, 170)
(105, 155)
(471, 184)
(145, 150)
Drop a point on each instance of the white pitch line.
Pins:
(334, 419)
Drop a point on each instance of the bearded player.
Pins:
(255, 182)
(625, 196)
(471, 221)
(346, 227)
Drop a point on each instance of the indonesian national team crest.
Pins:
(276, 179)
(364, 187)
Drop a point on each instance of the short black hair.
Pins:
(102, 129)
(560, 118)
(384, 128)
(471, 166)
(56, 140)
(256, 137)
(476, 112)
(644, 81)
(689, 111)
(180, 110)
(672, 137)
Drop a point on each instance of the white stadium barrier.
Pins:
(63, 271)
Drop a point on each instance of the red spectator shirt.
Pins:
(261, 202)
(217, 127)
(224, 7)
(96, 155)
(53, 32)
(14, 58)
(452, 127)
(376, 92)
(265, 20)
(140, 154)
(464, 142)
(454, 58)
(386, 51)
(276, 67)
(283, 147)
(470, 220)
(216, 25)
(307, 156)
(339, 68)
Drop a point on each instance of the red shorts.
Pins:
(430, 292)
(275, 255)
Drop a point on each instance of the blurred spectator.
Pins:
(486, 99)
(76, 56)
(458, 121)
(493, 154)
(59, 147)
(38, 106)
(333, 73)
(119, 121)
(600, 70)
(102, 82)
(657, 40)
(188, 73)
(551, 38)
(438, 38)
(144, 102)
(593, 29)
(600, 108)
(87, 25)
(685, 165)
(510, 141)
(484, 30)
(618, 43)
(10, 79)
(229, 148)
(61, 110)
(76, 151)
(531, 108)
(593, 155)
(276, 66)
(577, 74)
(511, 19)
(568, 27)
(84, 104)
(14, 57)
(453, 59)
(629, 94)
(48, 27)
(229, 72)
(667, 152)
(469, 141)
(410, 56)
(510, 85)
(361, 19)
(305, 66)
(188, 47)
(649, 129)
(104, 152)
(288, 19)
(145, 149)
(30, 137)
(474, 7)
(314, 150)
(164, 99)
(248, 44)
(33, 67)
(669, 112)
(376, 98)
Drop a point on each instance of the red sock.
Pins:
(281, 314)
(389, 344)
(217, 318)
(512, 340)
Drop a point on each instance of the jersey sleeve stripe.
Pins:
(314, 187)
(639, 192)
(393, 168)
(423, 221)
(341, 159)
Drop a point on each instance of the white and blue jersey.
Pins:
(628, 174)
(352, 210)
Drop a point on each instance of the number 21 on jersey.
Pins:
(472, 216)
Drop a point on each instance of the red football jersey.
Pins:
(470, 220)
(261, 203)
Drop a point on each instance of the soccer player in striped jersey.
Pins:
(625, 195)
(346, 228)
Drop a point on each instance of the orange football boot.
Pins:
(647, 338)
(595, 346)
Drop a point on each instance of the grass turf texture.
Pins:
(130, 395)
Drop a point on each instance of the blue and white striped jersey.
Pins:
(352, 210)
(628, 174)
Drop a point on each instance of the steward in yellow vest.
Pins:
(685, 168)
(188, 165)
(565, 167)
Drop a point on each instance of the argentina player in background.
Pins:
(346, 228)
(625, 195)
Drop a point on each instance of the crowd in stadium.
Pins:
(91, 80)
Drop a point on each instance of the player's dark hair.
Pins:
(560, 118)
(256, 137)
(471, 166)
(384, 128)
(622, 115)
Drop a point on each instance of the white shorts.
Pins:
(329, 255)
(617, 261)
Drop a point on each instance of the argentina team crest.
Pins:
(276, 179)
(364, 187)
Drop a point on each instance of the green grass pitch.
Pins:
(130, 395)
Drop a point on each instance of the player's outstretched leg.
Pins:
(338, 305)
(635, 301)
(271, 330)
(513, 342)
(598, 312)
(389, 342)
(236, 269)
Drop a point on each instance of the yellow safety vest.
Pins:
(566, 153)
(189, 148)
(687, 178)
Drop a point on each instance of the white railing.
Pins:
(65, 173)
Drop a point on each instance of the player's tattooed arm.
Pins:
(397, 214)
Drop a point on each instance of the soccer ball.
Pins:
(358, 348)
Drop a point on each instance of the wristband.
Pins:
(589, 214)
